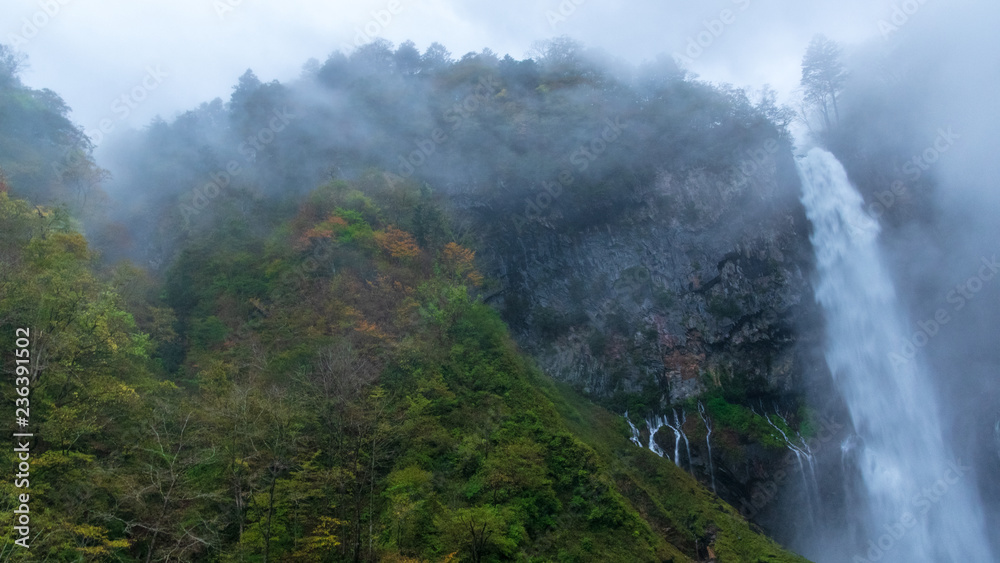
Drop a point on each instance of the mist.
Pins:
(628, 179)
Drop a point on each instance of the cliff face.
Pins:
(700, 289)
(699, 281)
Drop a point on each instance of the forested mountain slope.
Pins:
(639, 231)
(375, 413)
(280, 343)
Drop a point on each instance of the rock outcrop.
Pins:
(700, 279)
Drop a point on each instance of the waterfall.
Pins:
(919, 503)
(654, 426)
(812, 483)
(708, 441)
(677, 439)
(680, 422)
(635, 431)
(849, 461)
(809, 480)
(800, 454)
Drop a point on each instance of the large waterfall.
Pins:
(920, 502)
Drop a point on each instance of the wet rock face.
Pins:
(703, 284)
(701, 280)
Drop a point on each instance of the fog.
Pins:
(919, 134)
(268, 101)
(93, 54)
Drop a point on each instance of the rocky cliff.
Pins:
(702, 278)
(700, 289)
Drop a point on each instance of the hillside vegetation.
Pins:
(305, 374)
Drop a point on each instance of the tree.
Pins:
(407, 492)
(435, 57)
(461, 261)
(407, 58)
(247, 85)
(823, 76)
(11, 65)
(166, 505)
(399, 244)
(375, 57)
(516, 468)
(481, 530)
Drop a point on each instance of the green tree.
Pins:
(174, 508)
(479, 530)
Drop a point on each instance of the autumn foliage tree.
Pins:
(399, 244)
(462, 262)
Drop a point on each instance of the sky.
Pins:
(120, 63)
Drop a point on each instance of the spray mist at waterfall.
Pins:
(917, 501)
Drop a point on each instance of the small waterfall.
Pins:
(635, 431)
(919, 503)
(800, 454)
(680, 422)
(654, 426)
(708, 441)
(655, 423)
(812, 483)
(848, 462)
(677, 438)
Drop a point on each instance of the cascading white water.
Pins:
(677, 438)
(680, 422)
(809, 480)
(920, 502)
(654, 426)
(809, 487)
(634, 430)
(708, 441)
